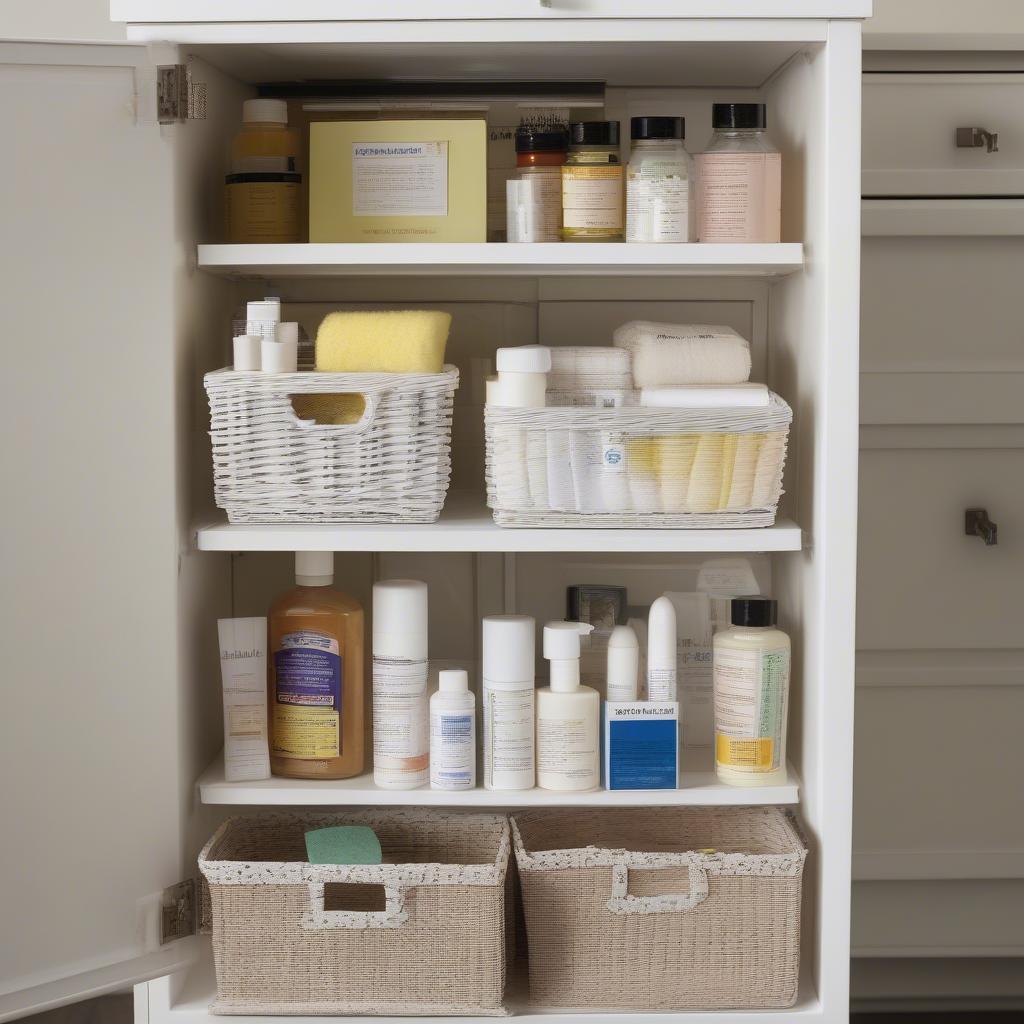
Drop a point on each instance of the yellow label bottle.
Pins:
(751, 684)
(593, 196)
(315, 678)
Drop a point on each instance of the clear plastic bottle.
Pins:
(592, 193)
(315, 678)
(739, 178)
(659, 177)
(751, 683)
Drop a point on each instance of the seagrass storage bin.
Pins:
(391, 465)
(636, 467)
(661, 908)
(291, 937)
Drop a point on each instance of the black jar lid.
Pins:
(739, 116)
(541, 140)
(754, 611)
(594, 133)
(657, 128)
(262, 177)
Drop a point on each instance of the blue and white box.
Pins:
(641, 745)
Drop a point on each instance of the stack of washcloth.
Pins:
(374, 341)
(589, 377)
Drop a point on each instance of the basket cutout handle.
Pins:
(318, 918)
(622, 902)
(322, 404)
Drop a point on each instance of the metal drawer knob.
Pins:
(975, 138)
(978, 524)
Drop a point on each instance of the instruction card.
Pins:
(400, 179)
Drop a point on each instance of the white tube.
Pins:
(623, 665)
(509, 702)
(246, 352)
(243, 668)
(401, 724)
(661, 651)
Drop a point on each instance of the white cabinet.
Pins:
(117, 305)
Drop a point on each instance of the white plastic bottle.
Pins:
(623, 665)
(453, 732)
(751, 680)
(508, 702)
(662, 669)
(522, 376)
(568, 716)
(401, 728)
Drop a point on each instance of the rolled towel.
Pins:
(390, 341)
(670, 355)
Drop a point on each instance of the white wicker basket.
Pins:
(636, 467)
(269, 465)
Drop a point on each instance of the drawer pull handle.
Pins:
(978, 524)
(975, 138)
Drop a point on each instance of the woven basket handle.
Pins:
(394, 914)
(670, 903)
(359, 427)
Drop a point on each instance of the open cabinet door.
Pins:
(95, 746)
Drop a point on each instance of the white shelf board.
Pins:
(491, 259)
(186, 1000)
(466, 525)
(700, 788)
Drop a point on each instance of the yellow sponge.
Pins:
(393, 341)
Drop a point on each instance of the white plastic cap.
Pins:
(287, 333)
(508, 650)
(453, 680)
(524, 359)
(400, 619)
(623, 636)
(314, 568)
(623, 664)
(562, 640)
(265, 112)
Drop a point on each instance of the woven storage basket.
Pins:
(636, 467)
(661, 909)
(391, 466)
(289, 938)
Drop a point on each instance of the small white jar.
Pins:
(522, 377)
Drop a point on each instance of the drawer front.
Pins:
(909, 142)
(922, 583)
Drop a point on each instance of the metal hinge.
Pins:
(178, 911)
(178, 98)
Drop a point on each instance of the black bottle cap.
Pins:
(657, 128)
(541, 140)
(594, 133)
(739, 116)
(754, 611)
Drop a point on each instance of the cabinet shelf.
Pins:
(700, 788)
(495, 259)
(466, 525)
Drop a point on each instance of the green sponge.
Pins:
(343, 844)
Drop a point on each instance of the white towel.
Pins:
(706, 396)
(670, 355)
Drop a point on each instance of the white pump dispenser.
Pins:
(568, 715)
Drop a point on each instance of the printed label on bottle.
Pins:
(740, 197)
(307, 705)
(401, 724)
(751, 693)
(661, 683)
(565, 748)
(452, 750)
(658, 203)
(592, 198)
(546, 206)
(508, 738)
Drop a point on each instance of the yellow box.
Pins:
(398, 181)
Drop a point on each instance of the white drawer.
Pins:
(922, 583)
(909, 140)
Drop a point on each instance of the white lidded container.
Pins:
(751, 679)
(522, 376)
(453, 732)
(401, 728)
(568, 716)
(509, 702)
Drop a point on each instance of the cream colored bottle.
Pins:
(568, 716)
(751, 683)
(315, 678)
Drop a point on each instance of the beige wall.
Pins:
(57, 19)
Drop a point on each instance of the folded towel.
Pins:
(706, 396)
(669, 355)
(392, 341)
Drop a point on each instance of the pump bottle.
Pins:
(568, 716)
